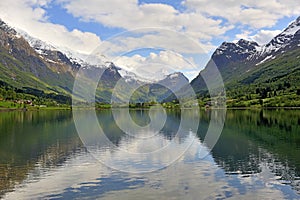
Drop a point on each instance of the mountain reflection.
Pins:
(30, 138)
(256, 148)
(253, 139)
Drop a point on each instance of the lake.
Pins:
(257, 155)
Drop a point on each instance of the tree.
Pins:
(287, 84)
(257, 91)
(264, 93)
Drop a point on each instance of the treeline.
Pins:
(286, 94)
(10, 93)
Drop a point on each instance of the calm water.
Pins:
(256, 157)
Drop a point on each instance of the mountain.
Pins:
(168, 86)
(247, 67)
(30, 72)
(143, 92)
(32, 67)
(286, 41)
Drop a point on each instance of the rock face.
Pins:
(229, 53)
(235, 59)
(287, 40)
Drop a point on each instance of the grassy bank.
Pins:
(21, 106)
(231, 104)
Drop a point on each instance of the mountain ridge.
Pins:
(42, 68)
(259, 71)
(31, 63)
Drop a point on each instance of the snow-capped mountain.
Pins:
(37, 68)
(131, 77)
(231, 52)
(37, 44)
(250, 51)
(289, 38)
(9, 30)
(54, 53)
(236, 59)
(43, 48)
(76, 58)
(175, 80)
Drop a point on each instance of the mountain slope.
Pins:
(23, 68)
(272, 84)
(168, 86)
(245, 62)
(34, 67)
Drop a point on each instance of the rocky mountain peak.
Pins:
(234, 59)
(175, 80)
(291, 29)
(176, 75)
(240, 47)
(230, 52)
(247, 44)
(5, 27)
(250, 51)
(288, 39)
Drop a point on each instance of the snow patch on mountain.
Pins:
(132, 77)
(174, 75)
(73, 56)
(42, 47)
(35, 43)
(266, 59)
(251, 51)
(8, 29)
(292, 28)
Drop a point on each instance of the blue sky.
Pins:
(59, 15)
(82, 25)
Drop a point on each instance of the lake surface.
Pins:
(256, 157)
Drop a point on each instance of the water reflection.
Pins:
(138, 149)
(253, 141)
(28, 138)
(257, 156)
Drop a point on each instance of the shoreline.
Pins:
(11, 109)
(97, 109)
(32, 109)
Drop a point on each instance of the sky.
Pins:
(162, 35)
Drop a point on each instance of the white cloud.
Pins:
(156, 65)
(30, 16)
(128, 14)
(192, 73)
(265, 36)
(253, 13)
(244, 35)
(197, 21)
(152, 38)
(262, 37)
